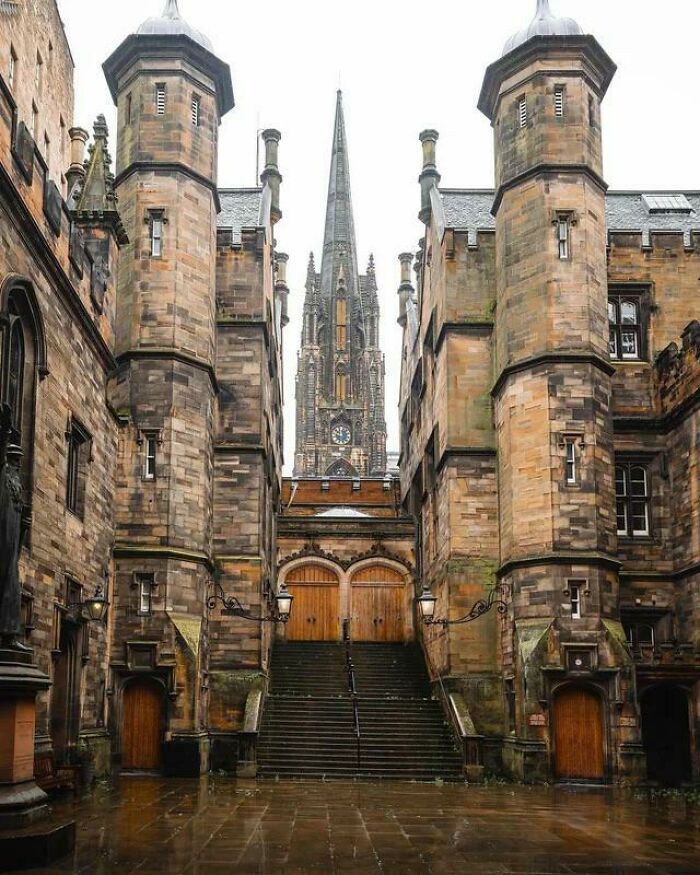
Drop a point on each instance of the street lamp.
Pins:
(93, 608)
(233, 608)
(426, 602)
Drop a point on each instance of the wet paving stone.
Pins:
(152, 826)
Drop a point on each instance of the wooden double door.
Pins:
(579, 746)
(373, 600)
(142, 726)
(377, 596)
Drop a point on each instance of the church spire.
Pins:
(339, 240)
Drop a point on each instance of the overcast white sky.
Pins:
(403, 66)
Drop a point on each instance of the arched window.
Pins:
(341, 326)
(22, 358)
(15, 369)
(341, 384)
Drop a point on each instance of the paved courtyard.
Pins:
(146, 825)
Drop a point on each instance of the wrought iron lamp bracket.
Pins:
(496, 598)
(231, 607)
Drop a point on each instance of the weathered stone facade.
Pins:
(340, 423)
(152, 306)
(547, 434)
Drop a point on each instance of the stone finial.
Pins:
(311, 273)
(271, 175)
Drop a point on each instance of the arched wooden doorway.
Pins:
(579, 748)
(666, 734)
(377, 604)
(316, 609)
(142, 726)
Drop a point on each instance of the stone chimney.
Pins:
(429, 175)
(281, 287)
(406, 288)
(76, 171)
(271, 175)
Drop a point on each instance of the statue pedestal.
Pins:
(22, 803)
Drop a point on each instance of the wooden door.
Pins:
(316, 607)
(377, 612)
(578, 735)
(142, 728)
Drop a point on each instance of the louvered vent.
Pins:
(160, 99)
(559, 103)
(195, 111)
(522, 113)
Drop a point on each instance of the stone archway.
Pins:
(666, 734)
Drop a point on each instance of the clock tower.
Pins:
(340, 425)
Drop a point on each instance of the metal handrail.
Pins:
(352, 686)
(446, 702)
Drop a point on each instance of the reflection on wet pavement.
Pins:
(148, 825)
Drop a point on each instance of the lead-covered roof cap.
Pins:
(171, 23)
(158, 38)
(545, 23)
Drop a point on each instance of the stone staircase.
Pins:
(311, 720)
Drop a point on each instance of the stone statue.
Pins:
(11, 535)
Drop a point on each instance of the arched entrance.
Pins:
(377, 604)
(666, 734)
(142, 726)
(316, 612)
(579, 749)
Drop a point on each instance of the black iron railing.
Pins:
(352, 687)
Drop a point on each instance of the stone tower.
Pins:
(553, 391)
(171, 92)
(340, 424)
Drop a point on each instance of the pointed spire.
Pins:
(310, 273)
(97, 196)
(339, 240)
(98, 190)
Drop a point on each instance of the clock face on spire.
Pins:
(340, 434)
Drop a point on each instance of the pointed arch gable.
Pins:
(341, 468)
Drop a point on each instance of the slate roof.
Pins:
(240, 208)
(470, 209)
